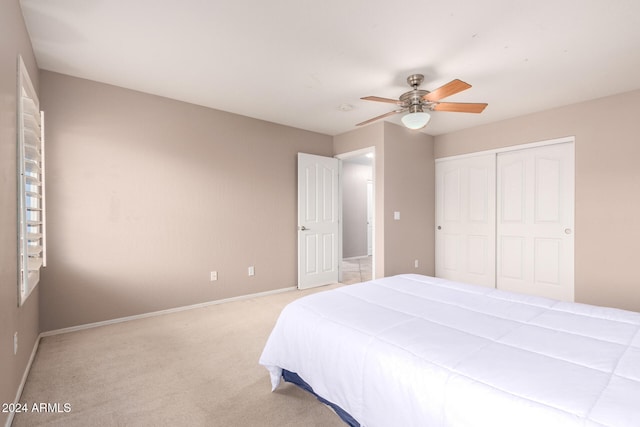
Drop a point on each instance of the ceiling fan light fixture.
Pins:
(416, 120)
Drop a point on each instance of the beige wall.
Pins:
(24, 320)
(147, 195)
(607, 192)
(410, 189)
(405, 182)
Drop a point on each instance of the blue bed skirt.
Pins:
(294, 378)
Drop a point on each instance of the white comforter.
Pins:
(413, 350)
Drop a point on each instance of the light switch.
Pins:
(396, 215)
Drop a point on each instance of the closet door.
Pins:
(535, 221)
(465, 219)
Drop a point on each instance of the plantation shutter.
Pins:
(31, 183)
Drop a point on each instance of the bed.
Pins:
(412, 350)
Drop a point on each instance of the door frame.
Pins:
(370, 213)
(524, 146)
(346, 156)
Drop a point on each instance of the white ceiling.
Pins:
(295, 62)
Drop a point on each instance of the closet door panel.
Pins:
(548, 191)
(512, 256)
(477, 249)
(465, 220)
(452, 252)
(536, 206)
(512, 191)
(547, 254)
(479, 195)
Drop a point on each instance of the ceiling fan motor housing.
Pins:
(414, 99)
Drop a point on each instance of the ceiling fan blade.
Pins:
(391, 113)
(379, 99)
(459, 107)
(451, 88)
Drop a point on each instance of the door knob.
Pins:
(303, 228)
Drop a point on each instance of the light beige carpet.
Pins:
(193, 368)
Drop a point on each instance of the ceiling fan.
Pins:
(416, 101)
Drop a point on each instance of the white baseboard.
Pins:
(161, 312)
(23, 381)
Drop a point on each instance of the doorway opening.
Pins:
(357, 216)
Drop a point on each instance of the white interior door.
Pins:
(535, 221)
(465, 219)
(318, 220)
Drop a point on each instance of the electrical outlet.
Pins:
(416, 264)
(213, 276)
(15, 343)
(252, 271)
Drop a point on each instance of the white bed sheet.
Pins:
(413, 350)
